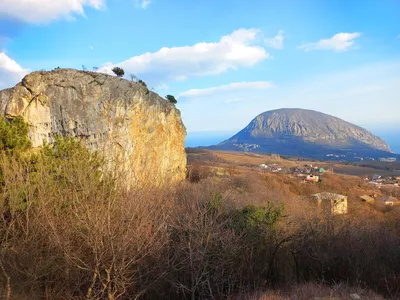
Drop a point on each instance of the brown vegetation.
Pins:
(69, 231)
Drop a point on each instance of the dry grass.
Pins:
(69, 232)
(255, 159)
(314, 291)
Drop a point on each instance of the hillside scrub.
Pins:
(70, 230)
(13, 134)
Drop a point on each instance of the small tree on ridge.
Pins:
(171, 99)
(118, 71)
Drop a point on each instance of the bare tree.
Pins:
(133, 77)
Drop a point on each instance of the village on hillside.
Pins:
(381, 191)
(342, 155)
(311, 174)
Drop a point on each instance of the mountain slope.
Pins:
(307, 133)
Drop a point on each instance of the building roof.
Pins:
(328, 196)
(367, 198)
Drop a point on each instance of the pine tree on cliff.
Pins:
(118, 71)
(171, 99)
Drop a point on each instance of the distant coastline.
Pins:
(392, 137)
(209, 138)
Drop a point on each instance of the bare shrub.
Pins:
(71, 232)
(240, 183)
(196, 172)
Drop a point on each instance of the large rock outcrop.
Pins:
(139, 132)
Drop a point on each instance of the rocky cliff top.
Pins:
(310, 126)
(114, 88)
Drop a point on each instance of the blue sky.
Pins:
(225, 61)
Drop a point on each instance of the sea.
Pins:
(391, 137)
(207, 138)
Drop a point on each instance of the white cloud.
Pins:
(339, 42)
(228, 88)
(43, 11)
(143, 3)
(10, 71)
(233, 100)
(276, 42)
(366, 95)
(221, 107)
(232, 51)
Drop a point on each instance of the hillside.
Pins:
(306, 133)
(240, 229)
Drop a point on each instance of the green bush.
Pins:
(140, 81)
(60, 167)
(215, 202)
(14, 134)
(67, 148)
(257, 217)
(68, 162)
(13, 141)
(171, 99)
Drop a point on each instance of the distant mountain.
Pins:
(307, 133)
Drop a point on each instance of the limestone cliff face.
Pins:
(139, 132)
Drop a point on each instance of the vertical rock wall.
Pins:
(139, 132)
